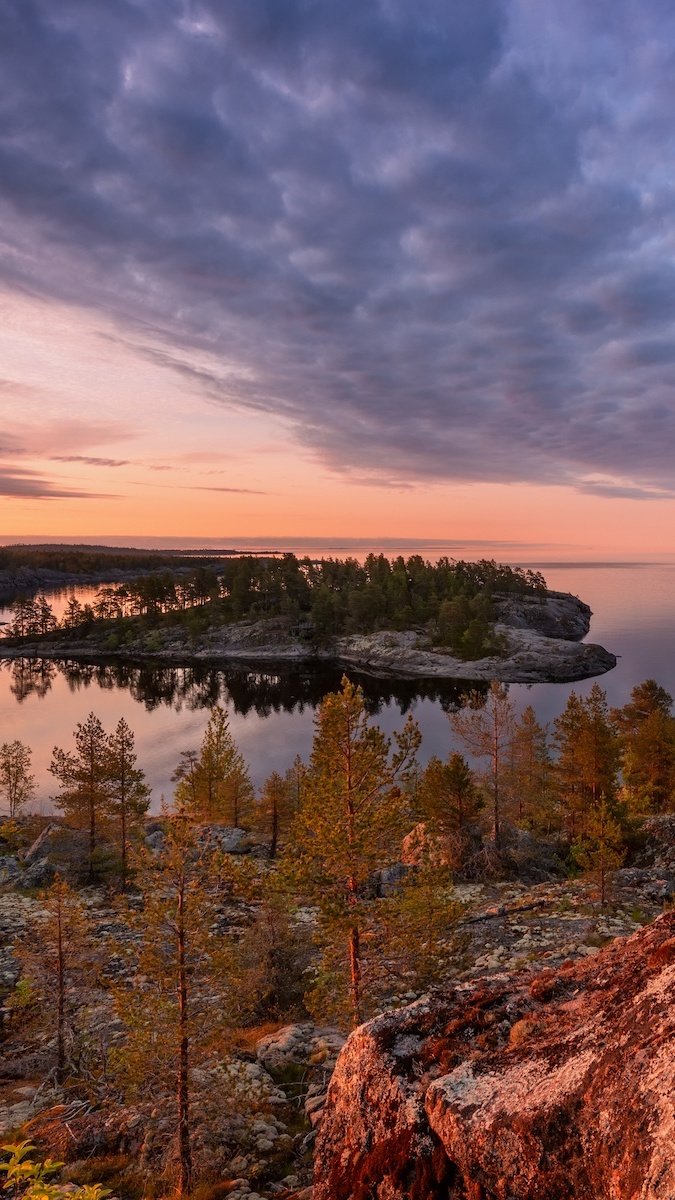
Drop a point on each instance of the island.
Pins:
(406, 619)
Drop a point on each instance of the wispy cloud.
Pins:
(30, 485)
(90, 462)
(241, 491)
(196, 487)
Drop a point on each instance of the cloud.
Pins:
(196, 487)
(55, 434)
(240, 491)
(30, 485)
(90, 462)
(436, 238)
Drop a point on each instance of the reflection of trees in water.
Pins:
(31, 677)
(243, 689)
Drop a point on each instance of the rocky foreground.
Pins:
(523, 1048)
(542, 639)
(557, 1085)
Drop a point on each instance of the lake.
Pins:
(272, 714)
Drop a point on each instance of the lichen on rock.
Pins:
(581, 1107)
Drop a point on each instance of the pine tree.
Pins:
(59, 971)
(186, 776)
(269, 961)
(73, 614)
(17, 785)
(588, 757)
(295, 780)
(128, 793)
(647, 731)
(601, 850)
(415, 932)
(274, 811)
(172, 1003)
(84, 780)
(485, 728)
(531, 773)
(447, 794)
(44, 614)
(25, 618)
(569, 773)
(349, 825)
(215, 786)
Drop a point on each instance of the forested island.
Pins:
(177, 989)
(407, 617)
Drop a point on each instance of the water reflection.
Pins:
(31, 677)
(243, 690)
(272, 712)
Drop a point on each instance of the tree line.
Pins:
(85, 559)
(453, 600)
(547, 779)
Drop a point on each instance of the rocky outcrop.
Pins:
(529, 658)
(541, 635)
(551, 1086)
(312, 1048)
(555, 615)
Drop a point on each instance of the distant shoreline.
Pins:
(542, 555)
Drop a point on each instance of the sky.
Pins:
(382, 268)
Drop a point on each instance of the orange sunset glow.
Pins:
(245, 295)
(109, 437)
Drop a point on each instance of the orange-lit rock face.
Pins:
(549, 1086)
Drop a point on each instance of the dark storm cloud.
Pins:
(437, 237)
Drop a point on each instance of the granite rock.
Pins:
(515, 1087)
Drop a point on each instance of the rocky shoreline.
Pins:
(542, 636)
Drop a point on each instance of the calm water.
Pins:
(272, 715)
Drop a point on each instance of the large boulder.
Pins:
(10, 869)
(557, 1085)
(58, 849)
(304, 1044)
